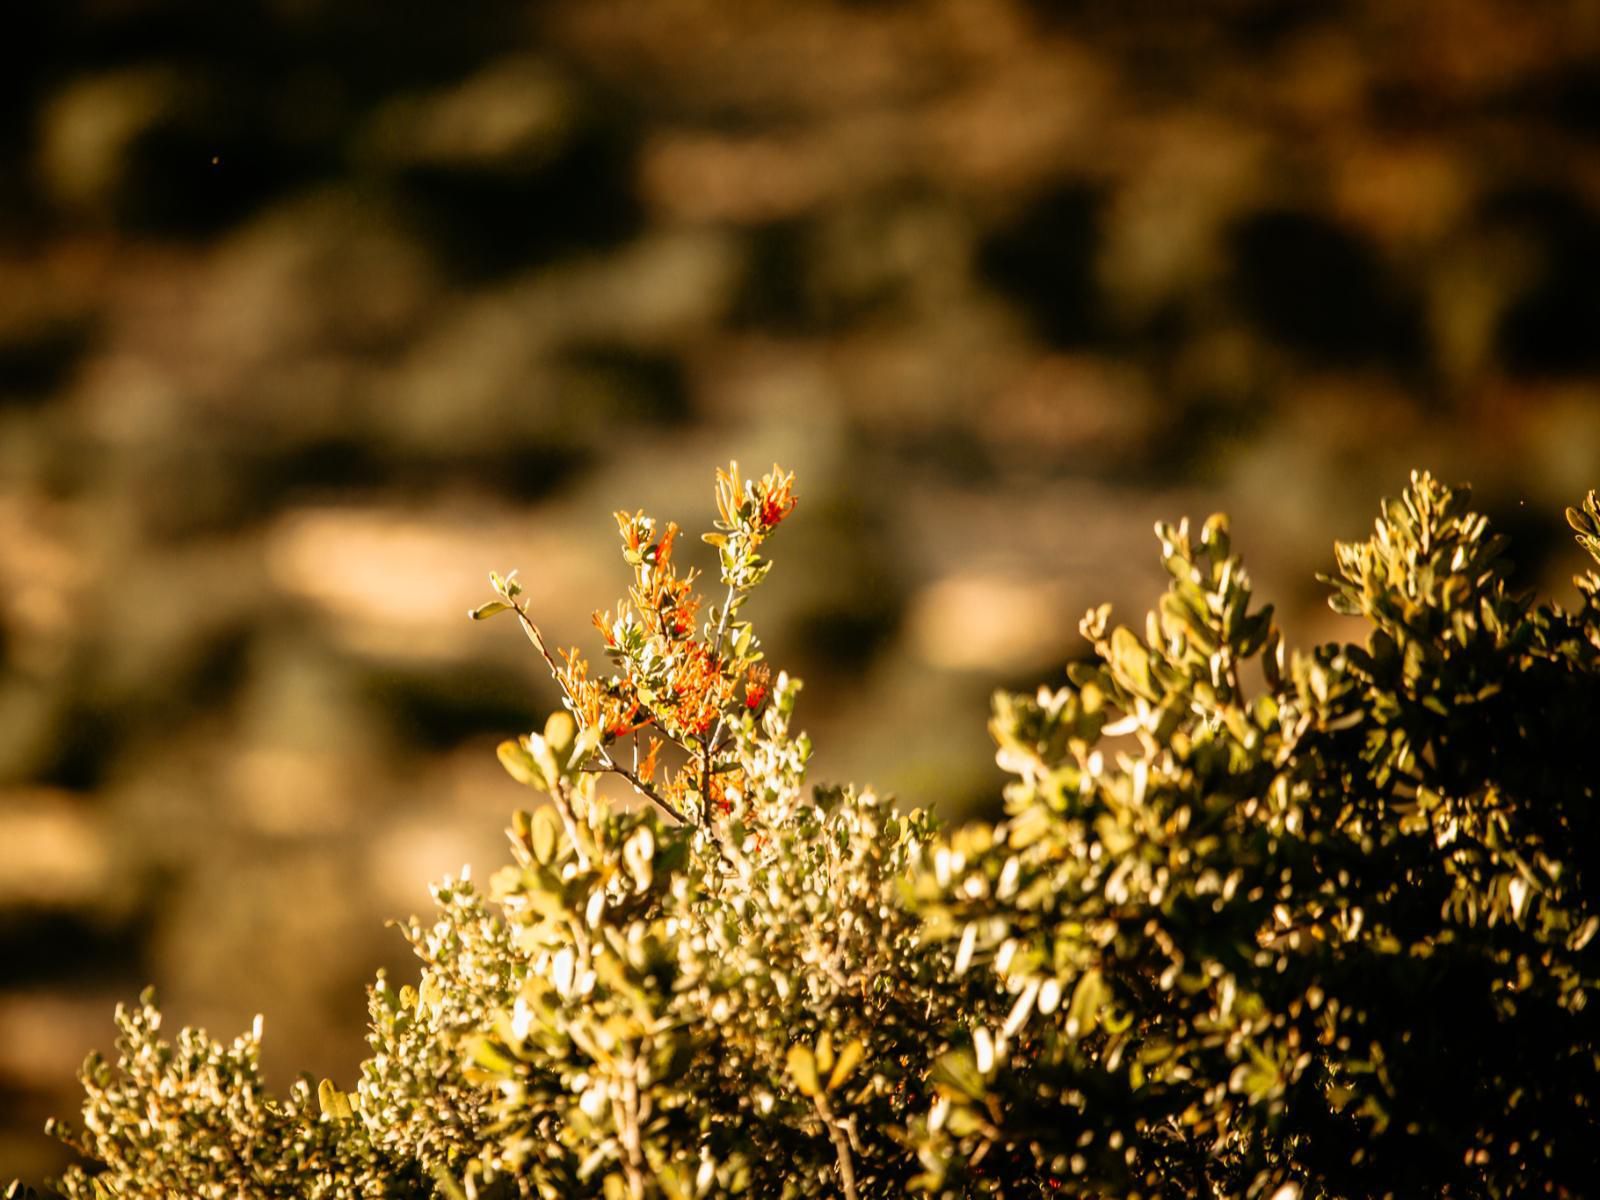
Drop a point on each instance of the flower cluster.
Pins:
(676, 685)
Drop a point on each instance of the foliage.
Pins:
(1255, 924)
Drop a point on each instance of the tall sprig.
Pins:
(669, 687)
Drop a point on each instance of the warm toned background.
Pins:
(314, 311)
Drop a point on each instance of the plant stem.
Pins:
(710, 743)
(841, 1146)
(610, 764)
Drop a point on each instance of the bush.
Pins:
(1256, 924)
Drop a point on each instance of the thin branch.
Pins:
(709, 743)
(569, 818)
(609, 763)
(841, 1146)
(609, 766)
(537, 638)
(674, 740)
(625, 1114)
(722, 622)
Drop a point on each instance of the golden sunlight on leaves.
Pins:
(1159, 965)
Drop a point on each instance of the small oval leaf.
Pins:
(849, 1058)
(803, 1069)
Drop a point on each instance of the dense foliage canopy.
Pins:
(1256, 923)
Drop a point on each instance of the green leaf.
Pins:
(506, 585)
(588, 742)
(335, 1104)
(520, 765)
(1028, 826)
(539, 749)
(957, 1070)
(803, 1069)
(1130, 661)
(638, 853)
(559, 730)
(849, 1058)
(825, 1052)
(545, 833)
(486, 1055)
(1087, 997)
(446, 1185)
(485, 611)
(1214, 533)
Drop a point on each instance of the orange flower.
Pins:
(756, 687)
(675, 606)
(663, 548)
(666, 603)
(636, 529)
(718, 789)
(647, 764)
(699, 690)
(585, 693)
(773, 499)
(777, 498)
(730, 493)
(612, 707)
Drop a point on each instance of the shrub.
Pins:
(1256, 924)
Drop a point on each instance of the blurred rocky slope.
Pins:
(314, 311)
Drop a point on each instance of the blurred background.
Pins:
(312, 312)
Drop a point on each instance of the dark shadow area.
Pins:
(87, 743)
(1252, 24)
(1551, 327)
(1535, 540)
(1045, 261)
(438, 709)
(1569, 98)
(523, 471)
(842, 636)
(777, 292)
(615, 382)
(50, 946)
(34, 363)
(1321, 290)
(486, 223)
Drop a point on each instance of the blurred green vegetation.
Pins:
(312, 313)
